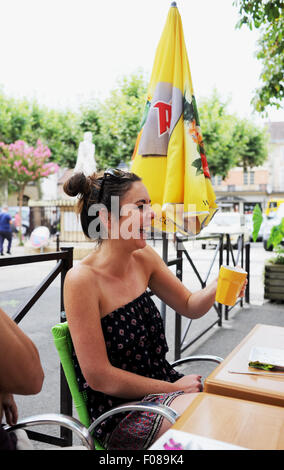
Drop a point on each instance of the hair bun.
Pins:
(77, 184)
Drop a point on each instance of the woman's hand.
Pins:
(10, 408)
(190, 384)
(243, 289)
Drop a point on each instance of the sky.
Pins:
(64, 53)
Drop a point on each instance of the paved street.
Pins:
(18, 282)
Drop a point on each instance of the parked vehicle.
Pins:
(274, 218)
(273, 205)
(232, 223)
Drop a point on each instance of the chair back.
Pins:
(64, 346)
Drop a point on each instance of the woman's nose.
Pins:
(149, 214)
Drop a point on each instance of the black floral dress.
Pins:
(135, 340)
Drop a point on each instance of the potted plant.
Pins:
(274, 267)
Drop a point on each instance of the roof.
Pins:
(53, 202)
(276, 130)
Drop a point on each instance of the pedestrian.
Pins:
(5, 230)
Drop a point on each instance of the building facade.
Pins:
(241, 191)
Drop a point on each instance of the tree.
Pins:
(229, 141)
(21, 163)
(115, 122)
(28, 121)
(14, 118)
(60, 131)
(253, 144)
(268, 16)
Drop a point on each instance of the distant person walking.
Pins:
(5, 230)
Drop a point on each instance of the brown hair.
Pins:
(88, 188)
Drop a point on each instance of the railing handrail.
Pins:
(25, 259)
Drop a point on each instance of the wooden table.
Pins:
(257, 388)
(255, 426)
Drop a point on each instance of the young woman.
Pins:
(117, 331)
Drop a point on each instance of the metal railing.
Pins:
(64, 260)
(64, 263)
(226, 255)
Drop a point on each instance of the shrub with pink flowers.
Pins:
(21, 163)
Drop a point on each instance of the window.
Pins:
(272, 205)
(216, 180)
(249, 177)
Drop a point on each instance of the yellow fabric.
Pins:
(169, 153)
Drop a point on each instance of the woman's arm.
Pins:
(20, 367)
(173, 292)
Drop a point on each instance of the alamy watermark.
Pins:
(134, 221)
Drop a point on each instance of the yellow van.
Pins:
(273, 205)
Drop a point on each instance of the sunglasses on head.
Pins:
(111, 173)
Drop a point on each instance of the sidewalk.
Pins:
(18, 282)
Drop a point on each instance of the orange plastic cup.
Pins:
(230, 282)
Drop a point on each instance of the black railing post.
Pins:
(221, 248)
(57, 241)
(242, 263)
(66, 406)
(247, 268)
(178, 319)
(165, 254)
(66, 265)
(228, 244)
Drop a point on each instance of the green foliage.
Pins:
(257, 219)
(279, 258)
(60, 130)
(228, 140)
(115, 123)
(23, 120)
(14, 118)
(276, 235)
(275, 238)
(269, 18)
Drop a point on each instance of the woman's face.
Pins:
(135, 215)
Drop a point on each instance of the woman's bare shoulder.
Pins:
(81, 273)
(149, 257)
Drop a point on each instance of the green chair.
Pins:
(63, 343)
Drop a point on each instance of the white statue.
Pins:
(86, 162)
